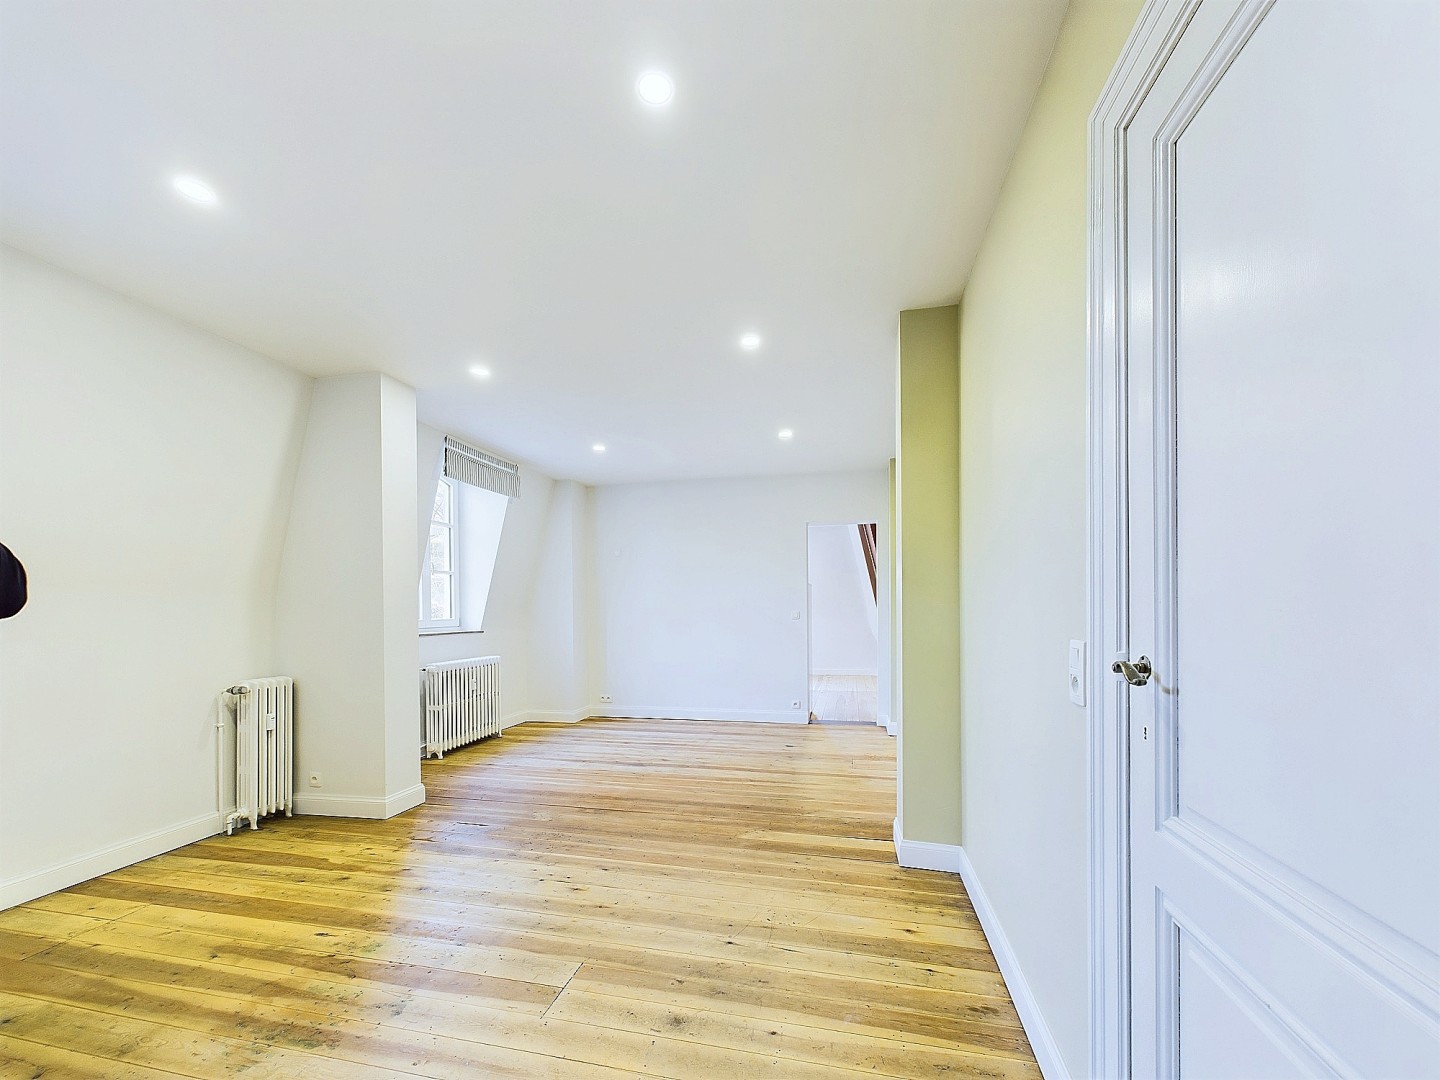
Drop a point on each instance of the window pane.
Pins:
(441, 603)
(440, 548)
(443, 495)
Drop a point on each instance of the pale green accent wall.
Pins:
(927, 525)
(1023, 534)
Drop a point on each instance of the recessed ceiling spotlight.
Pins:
(655, 88)
(750, 342)
(196, 190)
(599, 448)
(480, 371)
(785, 435)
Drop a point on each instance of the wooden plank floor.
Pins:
(613, 898)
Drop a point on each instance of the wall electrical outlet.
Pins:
(606, 699)
(794, 704)
(315, 780)
(1075, 672)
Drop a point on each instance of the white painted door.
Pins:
(1283, 497)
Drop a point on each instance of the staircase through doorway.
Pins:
(844, 699)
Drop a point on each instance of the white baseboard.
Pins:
(1052, 1065)
(665, 712)
(544, 716)
(126, 853)
(923, 855)
(890, 726)
(548, 716)
(359, 806)
(407, 799)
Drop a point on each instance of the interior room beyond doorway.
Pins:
(844, 624)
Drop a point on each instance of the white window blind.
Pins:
(471, 466)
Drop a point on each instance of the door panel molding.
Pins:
(1286, 1031)
(1394, 963)
(1165, 427)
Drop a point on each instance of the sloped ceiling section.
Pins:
(425, 186)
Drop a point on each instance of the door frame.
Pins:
(1149, 47)
(882, 661)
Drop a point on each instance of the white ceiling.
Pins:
(416, 186)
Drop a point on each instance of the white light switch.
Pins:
(795, 615)
(1077, 673)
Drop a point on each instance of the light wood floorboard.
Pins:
(615, 898)
(844, 699)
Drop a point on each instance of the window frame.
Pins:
(427, 573)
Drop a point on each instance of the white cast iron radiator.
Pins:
(264, 749)
(462, 703)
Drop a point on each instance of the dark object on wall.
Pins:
(868, 536)
(13, 592)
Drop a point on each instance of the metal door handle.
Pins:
(1136, 674)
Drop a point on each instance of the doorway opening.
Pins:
(844, 651)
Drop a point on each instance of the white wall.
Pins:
(145, 469)
(345, 612)
(560, 610)
(429, 466)
(397, 586)
(696, 585)
(844, 633)
(482, 520)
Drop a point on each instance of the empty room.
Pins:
(720, 539)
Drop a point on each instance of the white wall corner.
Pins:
(890, 726)
(73, 871)
(1047, 1054)
(923, 855)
